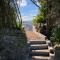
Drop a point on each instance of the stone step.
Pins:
(39, 52)
(38, 46)
(40, 58)
(37, 42)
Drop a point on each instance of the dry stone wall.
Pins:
(12, 44)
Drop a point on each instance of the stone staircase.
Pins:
(38, 47)
(39, 50)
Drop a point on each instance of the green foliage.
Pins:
(54, 16)
(43, 9)
(19, 26)
(38, 19)
(8, 14)
(55, 39)
(41, 16)
(43, 2)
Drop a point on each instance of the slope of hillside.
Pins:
(27, 25)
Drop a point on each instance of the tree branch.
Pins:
(34, 3)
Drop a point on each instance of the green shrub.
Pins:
(38, 19)
(55, 38)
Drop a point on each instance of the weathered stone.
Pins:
(57, 53)
(12, 44)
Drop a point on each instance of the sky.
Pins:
(28, 10)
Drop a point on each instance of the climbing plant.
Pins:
(8, 14)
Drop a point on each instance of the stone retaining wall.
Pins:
(57, 53)
(12, 44)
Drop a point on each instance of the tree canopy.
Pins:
(42, 12)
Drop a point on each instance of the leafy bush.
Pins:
(55, 39)
(38, 19)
